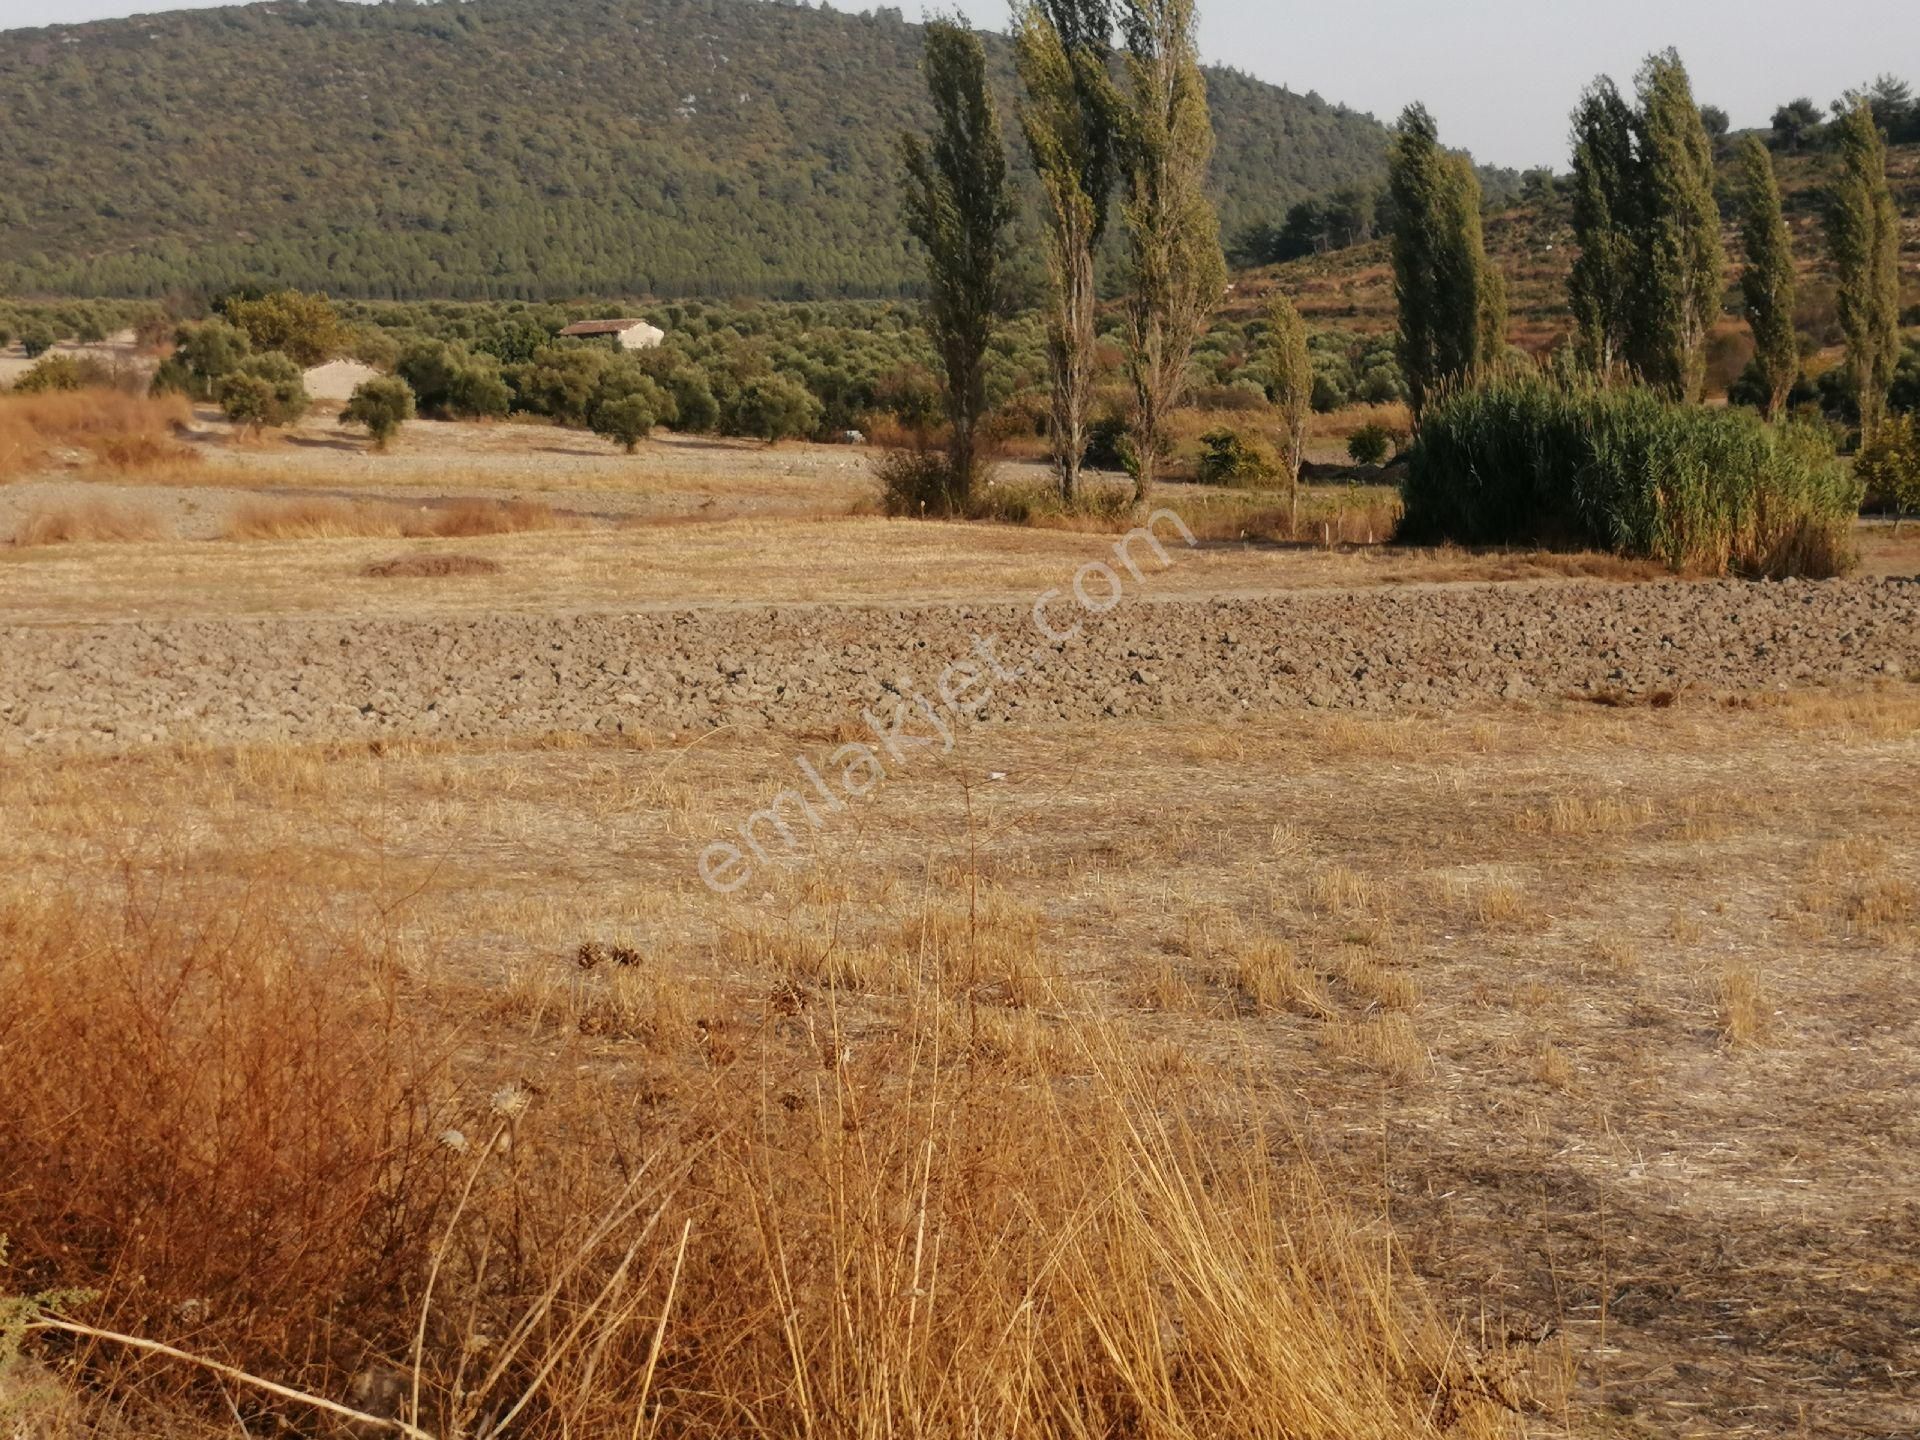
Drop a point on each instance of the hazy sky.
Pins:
(1499, 75)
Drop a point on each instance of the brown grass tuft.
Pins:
(1271, 979)
(1743, 1008)
(95, 522)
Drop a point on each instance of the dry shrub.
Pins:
(365, 519)
(431, 567)
(812, 1222)
(95, 522)
(103, 427)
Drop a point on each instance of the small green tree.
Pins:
(1767, 283)
(1290, 370)
(383, 405)
(1605, 226)
(247, 400)
(452, 382)
(1176, 274)
(1228, 457)
(1370, 444)
(305, 328)
(264, 390)
(560, 383)
(36, 339)
(203, 356)
(1889, 465)
(1681, 261)
(696, 409)
(958, 207)
(626, 421)
(1068, 117)
(1452, 302)
(1796, 125)
(1863, 234)
(773, 408)
(62, 372)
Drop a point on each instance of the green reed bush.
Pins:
(1526, 459)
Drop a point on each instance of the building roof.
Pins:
(602, 327)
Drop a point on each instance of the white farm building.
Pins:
(627, 334)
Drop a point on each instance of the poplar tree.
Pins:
(1681, 261)
(1863, 233)
(957, 206)
(1061, 48)
(1605, 191)
(1290, 367)
(1452, 303)
(1176, 273)
(1767, 283)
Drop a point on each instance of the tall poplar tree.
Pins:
(1290, 366)
(1176, 274)
(1863, 232)
(958, 206)
(1767, 283)
(1062, 48)
(1452, 303)
(1681, 261)
(1605, 226)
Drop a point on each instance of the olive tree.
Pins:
(382, 404)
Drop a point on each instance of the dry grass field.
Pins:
(1533, 1068)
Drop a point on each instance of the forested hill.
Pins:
(515, 148)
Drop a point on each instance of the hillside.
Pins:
(1351, 290)
(515, 148)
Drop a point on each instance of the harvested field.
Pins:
(799, 667)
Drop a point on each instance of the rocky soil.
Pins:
(817, 669)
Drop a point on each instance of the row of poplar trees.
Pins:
(1148, 141)
(1650, 280)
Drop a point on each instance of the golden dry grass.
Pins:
(108, 429)
(90, 522)
(815, 1208)
(361, 519)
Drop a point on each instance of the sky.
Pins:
(1500, 76)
